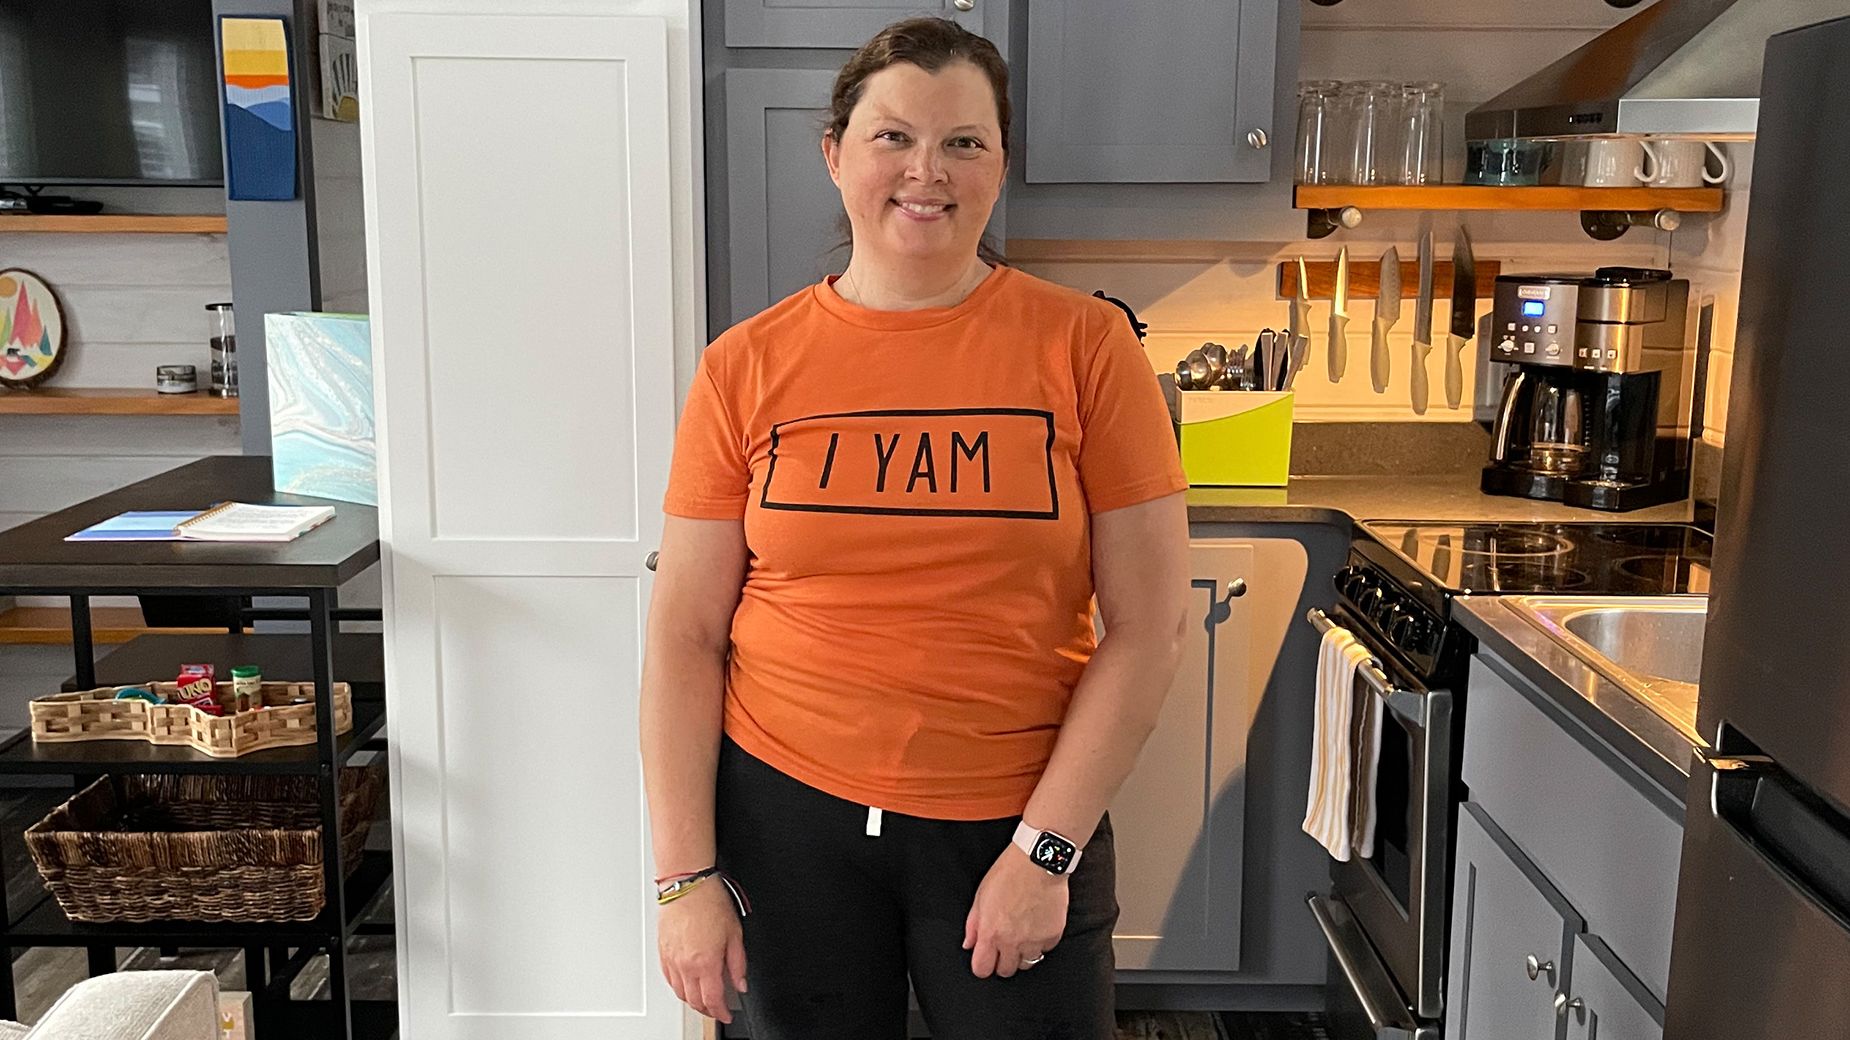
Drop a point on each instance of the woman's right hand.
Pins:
(703, 948)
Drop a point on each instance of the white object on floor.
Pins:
(133, 1005)
(1329, 811)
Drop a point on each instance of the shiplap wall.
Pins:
(1477, 50)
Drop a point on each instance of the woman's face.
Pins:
(920, 163)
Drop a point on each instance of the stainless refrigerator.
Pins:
(1762, 942)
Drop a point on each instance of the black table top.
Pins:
(35, 558)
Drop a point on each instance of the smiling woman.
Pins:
(874, 704)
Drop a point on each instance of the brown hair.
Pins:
(931, 43)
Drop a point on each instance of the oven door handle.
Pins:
(1409, 705)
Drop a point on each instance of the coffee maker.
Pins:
(1597, 408)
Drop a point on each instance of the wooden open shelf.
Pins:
(59, 400)
(51, 626)
(1470, 196)
(115, 223)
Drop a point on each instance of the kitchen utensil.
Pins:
(1275, 353)
(1217, 360)
(1339, 318)
(1185, 379)
(1422, 328)
(1387, 312)
(1464, 316)
(1300, 346)
(1262, 358)
(1241, 363)
(1197, 369)
(1300, 304)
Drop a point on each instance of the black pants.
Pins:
(840, 921)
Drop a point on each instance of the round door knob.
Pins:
(1564, 1005)
(963, 5)
(1535, 967)
(1236, 588)
(1257, 138)
(649, 560)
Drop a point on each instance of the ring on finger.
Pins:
(1030, 962)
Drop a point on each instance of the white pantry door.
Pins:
(517, 173)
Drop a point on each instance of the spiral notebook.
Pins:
(225, 522)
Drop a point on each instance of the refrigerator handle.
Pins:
(1804, 840)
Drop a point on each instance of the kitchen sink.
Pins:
(1650, 646)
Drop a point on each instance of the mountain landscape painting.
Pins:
(260, 145)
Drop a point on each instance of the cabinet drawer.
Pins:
(1609, 1001)
(1611, 850)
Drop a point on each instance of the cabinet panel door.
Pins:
(834, 23)
(1164, 93)
(1613, 1004)
(784, 214)
(1180, 816)
(1503, 913)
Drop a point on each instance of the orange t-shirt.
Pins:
(916, 489)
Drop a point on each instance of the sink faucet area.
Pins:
(1650, 646)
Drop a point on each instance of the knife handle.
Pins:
(1378, 356)
(1454, 370)
(1339, 346)
(1418, 383)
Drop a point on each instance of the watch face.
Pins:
(1053, 853)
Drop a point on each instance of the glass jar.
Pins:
(1422, 138)
(1318, 145)
(224, 332)
(247, 687)
(1373, 113)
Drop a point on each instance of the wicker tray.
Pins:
(198, 848)
(97, 715)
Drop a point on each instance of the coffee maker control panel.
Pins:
(1533, 319)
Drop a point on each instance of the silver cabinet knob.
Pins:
(1257, 138)
(1236, 588)
(963, 5)
(649, 562)
(1536, 968)
(1564, 1005)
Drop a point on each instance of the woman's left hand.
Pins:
(1019, 914)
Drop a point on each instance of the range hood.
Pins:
(1688, 68)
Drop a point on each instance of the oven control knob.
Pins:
(1345, 578)
(1400, 626)
(1370, 600)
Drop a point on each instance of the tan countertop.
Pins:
(1339, 500)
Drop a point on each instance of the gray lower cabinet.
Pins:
(834, 23)
(1604, 1001)
(785, 222)
(1176, 92)
(1511, 936)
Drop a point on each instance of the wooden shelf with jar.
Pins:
(1605, 213)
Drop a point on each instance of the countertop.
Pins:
(1339, 500)
(1638, 734)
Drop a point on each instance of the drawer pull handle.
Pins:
(1564, 1005)
(1536, 968)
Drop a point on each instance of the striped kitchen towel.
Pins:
(1329, 812)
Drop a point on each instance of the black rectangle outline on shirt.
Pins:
(1053, 490)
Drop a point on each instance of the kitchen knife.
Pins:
(1387, 312)
(1422, 328)
(1339, 318)
(1300, 305)
(1464, 317)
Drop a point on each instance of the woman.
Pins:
(876, 722)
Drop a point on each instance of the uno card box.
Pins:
(1235, 438)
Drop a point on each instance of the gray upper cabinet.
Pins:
(1180, 816)
(1511, 939)
(833, 23)
(785, 218)
(1175, 92)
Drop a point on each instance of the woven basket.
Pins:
(198, 848)
(287, 719)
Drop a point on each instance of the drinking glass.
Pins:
(1318, 132)
(1373, 114)
(1422, 149)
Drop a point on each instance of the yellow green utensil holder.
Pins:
(1235, 438)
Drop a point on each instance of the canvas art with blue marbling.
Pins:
(321, 405)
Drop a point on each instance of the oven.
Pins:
(1386, 916)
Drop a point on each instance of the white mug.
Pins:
(1611, 162)
(1679, 164)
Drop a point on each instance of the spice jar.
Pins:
(247, 687)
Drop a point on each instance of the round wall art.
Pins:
(31, 329)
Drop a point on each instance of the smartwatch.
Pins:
(1049, 851)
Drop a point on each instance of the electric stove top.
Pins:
(1582, 558)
